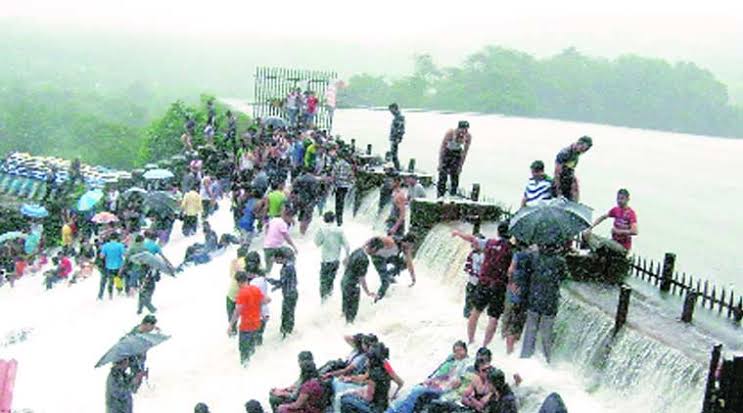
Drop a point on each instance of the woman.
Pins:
(355, 378)
(355, 363)
(373, 398)
(446, 377)
(311, 397)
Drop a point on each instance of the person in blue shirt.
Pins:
(113, 254)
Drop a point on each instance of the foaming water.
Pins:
(68, 330)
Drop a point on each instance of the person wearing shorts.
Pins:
(514, 315)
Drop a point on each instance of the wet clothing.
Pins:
(497, 259)
(553, 404)
(149, 281)
(379, 402)
(538, 190)
(331, 240)
(288, 285)
(119, 387)
(624, 218)
(491, 298)
(538, 324)
(548, 271)
(315, 402)
(276, 200)
(392, 219)
(397, 130)
(472, 266)
(568, 158)
(113, 252)
(247, 219)
(358, 264)
(304, 195)
(388, 262)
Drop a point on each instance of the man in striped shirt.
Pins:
(539, 187)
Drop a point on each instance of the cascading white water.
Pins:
(66, 331)
(632, 370)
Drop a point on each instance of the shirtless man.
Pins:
(396, 221)
(395, 252)
(452, 155)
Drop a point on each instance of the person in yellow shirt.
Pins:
(237, 265)
(67, 238)
(192, 208)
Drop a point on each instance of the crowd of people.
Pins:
(280, 177)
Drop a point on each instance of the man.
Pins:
(137, 363)
(490, 292)
(357, 265)
(288, 284)
(150, 244)
(248, 311)
(396, 220)
(625, 220)
(310, 109)
(397, 130)
(415, 189)
(342, 180)
(390, 258)
(539, 188)
(276, 235)
(304, 196)
(331, 240)
(566, 183)
(129, 271)
(113, 253)
(192, 207)
(119, 387)
(237, 265)
(190, 126)
(275, 200)
(149, 280)
(291, 106)
(452, 154)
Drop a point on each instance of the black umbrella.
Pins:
(160, 202)
(551, 222)
(275, 122)
(131, 345)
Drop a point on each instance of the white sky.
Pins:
(710, 31)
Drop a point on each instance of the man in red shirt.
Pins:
(625, 220)
(490, 292)
(248, 311)
(310, 109)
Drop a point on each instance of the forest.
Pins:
(629, 91)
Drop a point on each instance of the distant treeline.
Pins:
(628, 91)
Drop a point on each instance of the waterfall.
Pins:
(630, 370)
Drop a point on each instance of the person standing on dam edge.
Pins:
(397, 130)
(452, 155)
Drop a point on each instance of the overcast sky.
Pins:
(707, 30)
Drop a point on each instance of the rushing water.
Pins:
(684, 188)
(58, 336)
